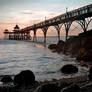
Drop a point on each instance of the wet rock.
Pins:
(60, 46)
(72, 88)
(52, 46)
(57, 47)
(48, 88)
(87, 56)
(24, 78)
(72, 45)
(81, 54)
(69, 69)
(6, 79)
(61, 42)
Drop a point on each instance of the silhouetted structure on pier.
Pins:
(17, 34)
(81, 15)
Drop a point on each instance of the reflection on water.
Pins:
(18, 55)
(41, 46)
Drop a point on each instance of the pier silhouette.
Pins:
(81, 15)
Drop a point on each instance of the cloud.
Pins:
(38, 15)
(27, 13)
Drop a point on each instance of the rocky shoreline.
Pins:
(25, 82)
(78, 46)
(73, 84)
(61, 84)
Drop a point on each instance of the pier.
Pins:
(81, 15)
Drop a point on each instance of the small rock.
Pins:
(69, 69)
(24, 78)
(48, 88)
(6, 79)
(52, 46)
(60, 43)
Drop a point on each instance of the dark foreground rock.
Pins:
(26, 78)
(72, 88)
(52, 86)
(6, 79)
(48, 88)
(87, 87)
(69, 69)
(90, 74)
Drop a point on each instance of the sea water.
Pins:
(16, 56)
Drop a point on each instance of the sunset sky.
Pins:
(28, 12)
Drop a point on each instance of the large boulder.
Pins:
(69, 69)
(6, 79)
(26, 78)
(48, 88)
(72, 88)
(59, 47)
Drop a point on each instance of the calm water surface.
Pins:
(16, 56)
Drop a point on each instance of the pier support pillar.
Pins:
(21, 36)
(58, 27)
(84, 23)
(34, 38)
(10, 37)
(44, 29)
(14, 36)
(67, 27)
(28, 37)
